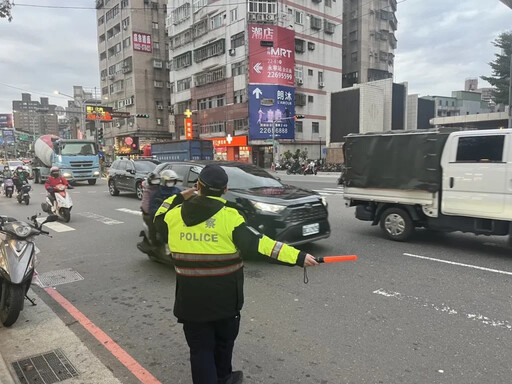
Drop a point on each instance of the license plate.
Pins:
(310, 229)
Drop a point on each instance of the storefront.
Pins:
(231, 148)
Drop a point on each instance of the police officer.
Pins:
(206, 239)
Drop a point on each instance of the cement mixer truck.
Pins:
(77, 159)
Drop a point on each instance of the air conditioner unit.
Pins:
(260, 17)
(160, 107)
(321, 84)
(270, 16)
(300, 81)
(103, 78)
(171, 109)
(232, 52)
(125, 27)
(253, 16)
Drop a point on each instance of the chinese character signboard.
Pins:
(189, 132)
(271, 55)
(95, 112)
(261, 115)
(6, 120)
(142, 42)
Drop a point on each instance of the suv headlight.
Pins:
(324, 201)
(265, 207)
(67, 175)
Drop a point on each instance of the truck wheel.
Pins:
(396, 224)
(91, 181)
(112, 189)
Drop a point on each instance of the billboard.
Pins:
(95, 112)
(142, 42)
(268, 103)
(6, 136)
(271, 55)
(6, 120)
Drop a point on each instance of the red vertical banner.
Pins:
(189, 132)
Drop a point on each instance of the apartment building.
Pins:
(369, 40)
(243, 70)
(35, 117)
(133, 60)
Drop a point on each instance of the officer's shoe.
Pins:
(235, 377)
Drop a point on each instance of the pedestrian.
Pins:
(207, 239)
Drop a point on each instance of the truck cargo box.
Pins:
(395, 160)
(183, 150)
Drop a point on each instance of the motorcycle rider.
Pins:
(166, 189)
(53, 180)
(150, 191)
(20, 177)
(6, 173)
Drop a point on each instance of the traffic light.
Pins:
(299, 117)
(142, 116)
(100, 135)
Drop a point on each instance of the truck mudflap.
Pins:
(365, 212)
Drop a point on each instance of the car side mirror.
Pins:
(132, 171)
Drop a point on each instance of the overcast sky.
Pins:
(440, 44)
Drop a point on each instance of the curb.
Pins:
(6, 376)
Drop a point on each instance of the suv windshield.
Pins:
(77, 149)
(144, 166)
(250, 177)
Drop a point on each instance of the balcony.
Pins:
(210, 77)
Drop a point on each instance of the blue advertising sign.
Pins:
(268, 103)
(6, 136)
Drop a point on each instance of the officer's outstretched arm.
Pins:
(250, 241)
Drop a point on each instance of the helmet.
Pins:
(6, 167)
(153, 179)
(54, 171)
(19, 168)
(169, 177)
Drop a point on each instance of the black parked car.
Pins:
(283, 212)
(128, 175)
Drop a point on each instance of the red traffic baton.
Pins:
(336, 259)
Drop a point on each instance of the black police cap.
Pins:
(214, 177)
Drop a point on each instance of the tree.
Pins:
(501, 68)
(5, 10)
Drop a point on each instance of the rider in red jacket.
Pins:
(54, 180)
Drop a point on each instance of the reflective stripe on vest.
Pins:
(277, 248)
(205, 257)
(205, 272)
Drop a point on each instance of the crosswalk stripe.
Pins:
(101, 219)
(131, 211)
(55, 226)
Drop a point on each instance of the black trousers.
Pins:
(211, 349)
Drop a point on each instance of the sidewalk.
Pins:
(39, 330)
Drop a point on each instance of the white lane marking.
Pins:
(101, 219)
(333, 189)
(505, 324)
(324, 194)
(91, 191)
(55, 226)
(131, 211)
(460, 264)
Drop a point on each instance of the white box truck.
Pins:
(444, 180)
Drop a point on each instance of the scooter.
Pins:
(62, 204)
(156, 251)
(8, 187)
(23, 195)
(18, 259)
(295, 168)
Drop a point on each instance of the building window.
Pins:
(315, 22)
(101, 39)
(155, 24)
(213, 49)
(299, 45)
(159, 121)
(199, 4)
(299, 17)
(216, 21)
(241, 124)
(300, 99)
(240, 96)
(181, 38)
(352, 36)
(328, 3)
(180, 108)
(158, 84)
(320, 77)
(182, 61)
(298, 126)
(353, 57)
(113, 12)
(103, 55)
(184, 84)
(124, 3)
(101, 20)
(238, 40)
(211, 102)
(126, 22)
(210, 77)
(213, 128)
(127, 42)
(315, 126)
(311, 46)
(298, 73)
(310, 72)
(238, 68)
(180, 14)
(263, 6)
(310, 99)
(156, 45)
(233, 14)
